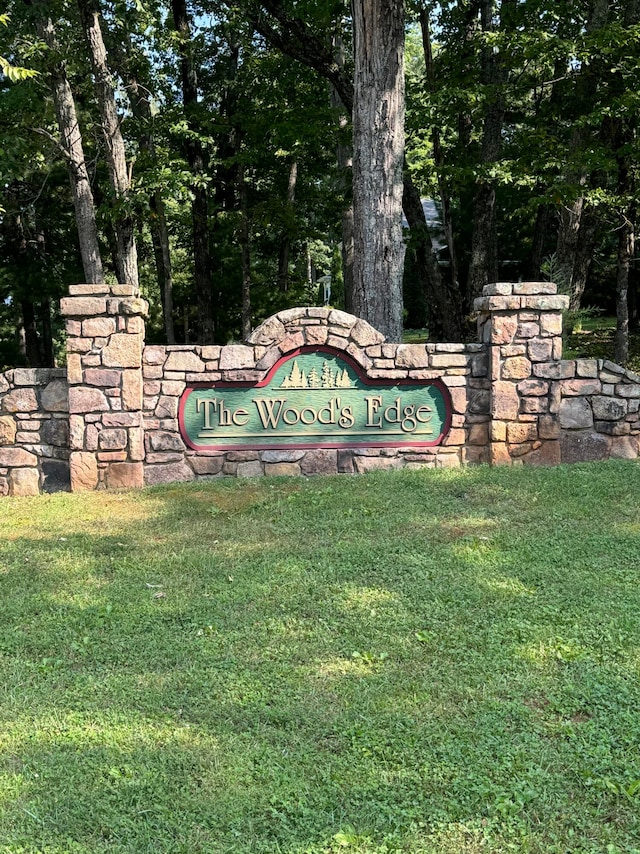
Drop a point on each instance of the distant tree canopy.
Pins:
(227, 155)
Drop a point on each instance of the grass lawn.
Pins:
(436, 661)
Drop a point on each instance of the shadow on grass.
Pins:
(423, 662)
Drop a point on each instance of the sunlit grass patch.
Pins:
(403, 662)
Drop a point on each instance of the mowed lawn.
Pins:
(435, 661)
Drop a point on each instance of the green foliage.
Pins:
(435, 661)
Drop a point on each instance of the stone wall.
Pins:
(599, 411)
(110, 419)
(34, 431)
(167, 371)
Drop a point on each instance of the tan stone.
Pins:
(74, 368)
(580, 387)
(82, 399)
(516, 368)
(532, 288)
(98, 327)
(447, 461)
(24, 482)
(131, 306)
(518, 433)
(364, 464)
(173, 388)
(503, 329)
(252, 468)
(82, 306)
(528, 330)
(624, 447)
(167, 473)
(316, 334)
(236, 356)
(365, 335)
(125, 476)
(102, 377)
(499, 454)
(548, 427)
(167, 407)
(132, 390)
(288, 343)
(7, 430)
(136, 444)
(321, 461)
(411, 356)
(270, 332)
(123, 351)
(84, 471)
(20, 400)
(551, 323)
(449, 360)
(505, 401)
(11, 457)
(185, 361)
(135, 325)
(277, 469)
(88, 289)
(155, 355)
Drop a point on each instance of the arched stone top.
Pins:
(297, 327)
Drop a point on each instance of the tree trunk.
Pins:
(31, 338)
(141, 108)
(583, 256)
(71, 145)
(444, 307)
(536, 256)
(127, 259)
(626, 248)
(195, 158)
(378, 139)
(285, 240)
(344, 157)
(484, 250)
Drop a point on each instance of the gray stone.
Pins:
(575, 413)
(579, 446)
(169, 473)
(282, 456)
(55, 396)
(55, 431)
(608, 408)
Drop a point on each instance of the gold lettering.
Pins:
(296, 416)
(313, 413)
(240, 413)
(329, 410)
(409, 422)
(346, 417)
(428, 412)
(268, 416)
(395, 408)
(373, 405)
(207, 405)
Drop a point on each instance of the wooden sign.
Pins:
(316, 397)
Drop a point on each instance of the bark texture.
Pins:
(127, 257)
(378, 156)
(72, 148)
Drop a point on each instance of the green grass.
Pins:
(595, 338)
(437, 661)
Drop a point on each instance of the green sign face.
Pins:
(314, 398)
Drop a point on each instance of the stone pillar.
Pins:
(105, 339)
(521, 324)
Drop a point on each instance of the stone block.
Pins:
(365, 335)
(114, 439)
(184, 361)
(272, 469)
(533, 388)
(84, 471)
(447, 461)
(575, 413)
(133, 306)
(580, 446)
(625, 448)
(123, 351)
(82, 399)
(14, 457)
(540, 349)
(316, 335)
(365, 464)
(582, 387)
(320, 461)
(450, 360)
(551, 323)
(237, 356)
(154, 355)
(412, 356)
(74, 369)
(587, 368)
(631, 391)
(121, 475)
(169, 473)
(270, 332)
(505, 401)
(89, 289)
(608, 408)
(167, 407)
(162, 441)
(207, 465)
(495, 289)
(478, 434)
(7, 430)
(281, 456)
(253, 468)
(516, 368)
(24, 482)
(132, 390)
(345, 462)
(503, 329)
(508, 350)
(534, 405)
(518, 433)
(20, 400)
(102, 377)
(528, 330)
(55, 432)
(98, 327)
(82, 306)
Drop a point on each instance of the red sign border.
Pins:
(308, 446)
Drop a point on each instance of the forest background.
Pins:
(203, 152)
